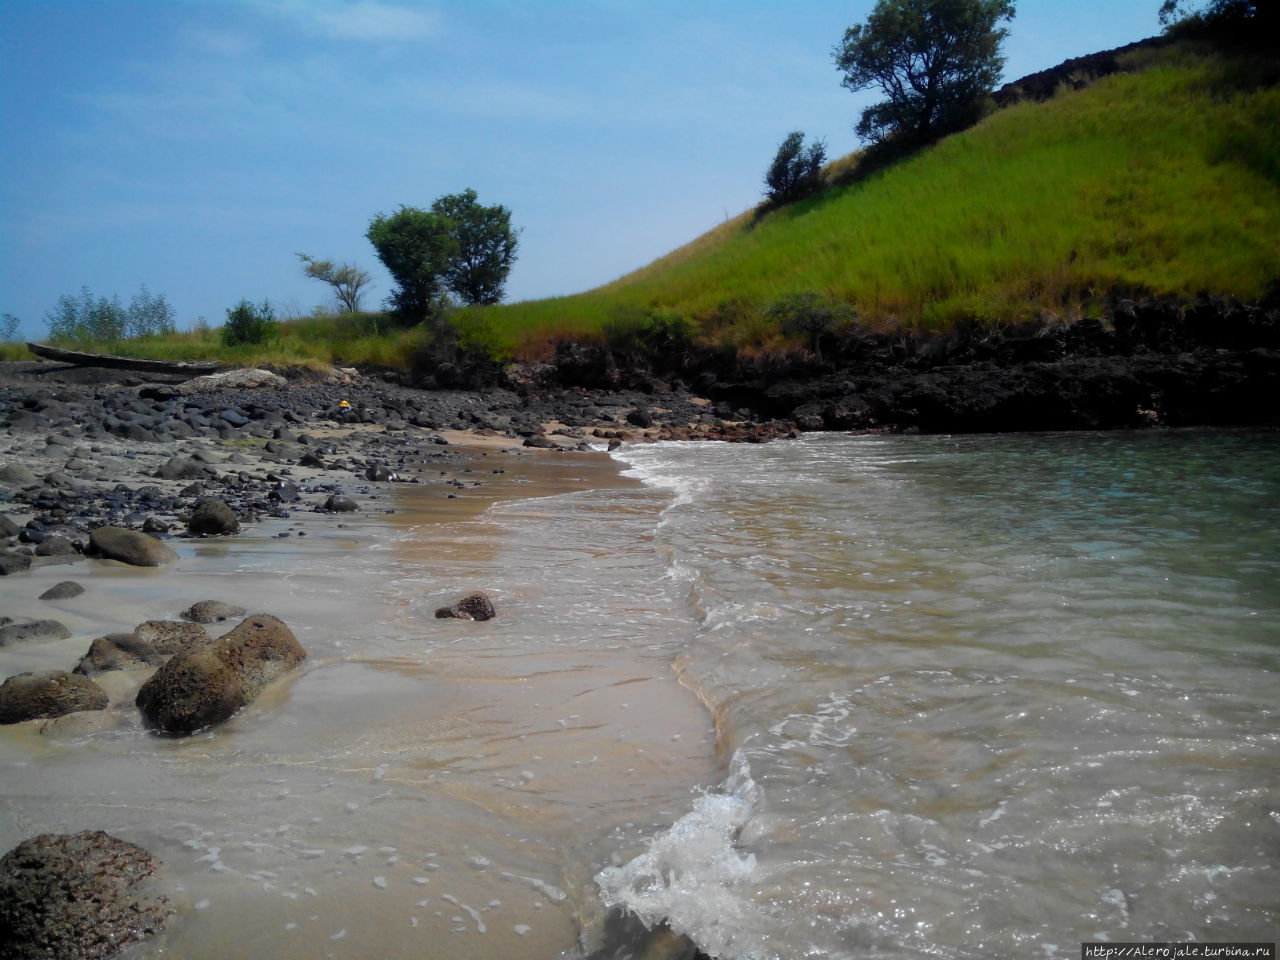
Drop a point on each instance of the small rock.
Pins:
(48, 693)
(475, 606)
(339, 504)
(129, 546)
(32, 631)
(14, 563)
(212, 517)
(63, 590)
(212, 611)
(117, 651)
(55, 546)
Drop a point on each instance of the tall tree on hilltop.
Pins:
(934, 59)
(484, 247)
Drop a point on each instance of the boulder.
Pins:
(339, 504)
(129, 546)
(380, 472)
(212, 517)
(56, 546)
(32, 631)
(212, 611)
(77, 897)
(17, 475)
(14, 563)
(205, 685)
(7, 527)
(170, 636)
(63, 590)
(180, 468)
(118, 651)
(238, 379)
(48, 693)
(474, 606)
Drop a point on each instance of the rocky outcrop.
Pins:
(170, 636)
(474, 606)
(49, 693)
(212, 611)
(205, 685)
(129, 546)
(77, 897)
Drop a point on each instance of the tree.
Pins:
(484, 247)
(795, 171)
(1255, 19)
(811, 316)
(250, 324)
(416, 246)
(149, 313)
(934, 59)
(8, 327)
(348, 281)
(85, 318)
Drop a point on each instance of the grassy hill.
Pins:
(1162, 180)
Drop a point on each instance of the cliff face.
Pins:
(1155, 362)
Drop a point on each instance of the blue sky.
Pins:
(194, 146)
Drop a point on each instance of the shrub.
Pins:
(795, 172)
(811, 316)
(249, 324)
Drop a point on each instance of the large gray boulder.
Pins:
(77, 896)
(205, 685)
(62, 590)
(49, 693)
(170, 636)
(212, 517)
(32, 631)
(129, 546)
(180, 468)
(14, 563)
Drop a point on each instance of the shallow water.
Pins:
(838, 697)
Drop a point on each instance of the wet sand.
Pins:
(418, 786)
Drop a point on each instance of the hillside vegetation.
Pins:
(1164, 180)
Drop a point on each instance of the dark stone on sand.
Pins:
(55, 546)
(380, 472)
(180, 468)
(205, 685)
(48, 693)
(540, 442)
(339, 504)
(212, 611)
(212, 517)
(640, 417)
(32, 631)
(311, 460)
(77, 897)
(63, 590)
(17, 475)
(14, 563)
(117, 651)
(129, 546)
(474, 606)
(171, 636)
(7, 527)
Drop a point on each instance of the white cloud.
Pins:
(370, 21)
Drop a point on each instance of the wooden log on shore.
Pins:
(79, 358)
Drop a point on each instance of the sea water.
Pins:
(978, 696)
(838, 697)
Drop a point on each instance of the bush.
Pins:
(634, 333)
(85, 318)
(810, 315)
(249, 324)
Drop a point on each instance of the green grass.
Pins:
(1165, 181)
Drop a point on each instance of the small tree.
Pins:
(348, 281)
(416, 247)
(249, 324)
(1255, 19)
(8, 327)
(85, 318)
(149, 313)
(811, 316)
(484, 247)
(934, 59)
(795, 171)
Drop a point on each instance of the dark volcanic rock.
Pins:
(48, 693)
(117, 651)
(213, 517)
(77, 897)
(32, 631)
(180, 468)
(203, 686)
(474, 606)
(129, 546)
(212, 611)
(339, 504)
(63, 590)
